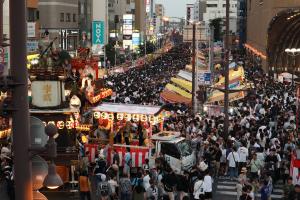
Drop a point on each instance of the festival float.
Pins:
(61, 89)
(115, 117)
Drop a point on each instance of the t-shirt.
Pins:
(198, 189)
(243, 154)
(233, 157)
(146, 183)
(207, 183)
(152, 193)
(125, 185)
(113, 185)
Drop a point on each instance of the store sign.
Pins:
(46, 93)
(127, 30)
(136, 39)
(127, 37)
(31, 29)
(148, 2)
(32, 46)
(98, 32)
(204, 78)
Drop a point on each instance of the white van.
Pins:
(176, 150)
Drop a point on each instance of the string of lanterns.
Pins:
(255, 51)
(103, 94)
(128, 117)
(5, 133)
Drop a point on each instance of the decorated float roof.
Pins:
(126, 108)
(52, 111)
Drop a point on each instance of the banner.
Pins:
(98, 29)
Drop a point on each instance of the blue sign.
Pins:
(136, 41)
(98, 29)
(32, 46)
(207, 77)
(204, 78)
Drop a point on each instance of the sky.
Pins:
(175, 8)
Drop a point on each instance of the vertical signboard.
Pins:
(148, 2)
(98, 29)
(127, 30)
(31, 29)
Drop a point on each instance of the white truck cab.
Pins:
(176, 150)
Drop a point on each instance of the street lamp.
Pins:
(194, 23)
(294, 53)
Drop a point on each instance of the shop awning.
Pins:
(183, 83)
(126, 108)
(185, 75)
(173, 97)
(178, 91)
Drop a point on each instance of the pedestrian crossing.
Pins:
(226, 189)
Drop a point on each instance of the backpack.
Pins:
(103, 189)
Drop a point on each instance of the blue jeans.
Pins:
(233, 172)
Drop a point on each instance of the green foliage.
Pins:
(150, 48)
(216, 23)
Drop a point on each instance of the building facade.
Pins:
(199, 10)
(189, 13)
(60, 19)
(207, 10)
(278, 23)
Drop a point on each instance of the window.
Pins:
(224, 5)
(170, 150)
(62, 17)
(185, 148)
(68, 17)
(31, 15)
(212, 5)
(37, 15)
(74, 18)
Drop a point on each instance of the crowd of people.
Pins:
(256, 152)
(143, 85)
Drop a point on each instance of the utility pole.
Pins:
(226, 70)
(1, 21)
(211, 49)
(194, 68)
(20, 123)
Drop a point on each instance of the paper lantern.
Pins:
(76, 115)
(60, 124)
(69, 124)
(84, 139)
(151, 118)
(135, 117)
(51, 122)
(96, 115)
(144, 118)
(127, 117)
(104, 115)
(160, 119)
(111, 116)
(120, 116)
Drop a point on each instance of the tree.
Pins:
(150, 48)
(216, 23)
(110, 52)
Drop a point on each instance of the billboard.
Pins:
(136, 39)
(127, 30)
(98, 36)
